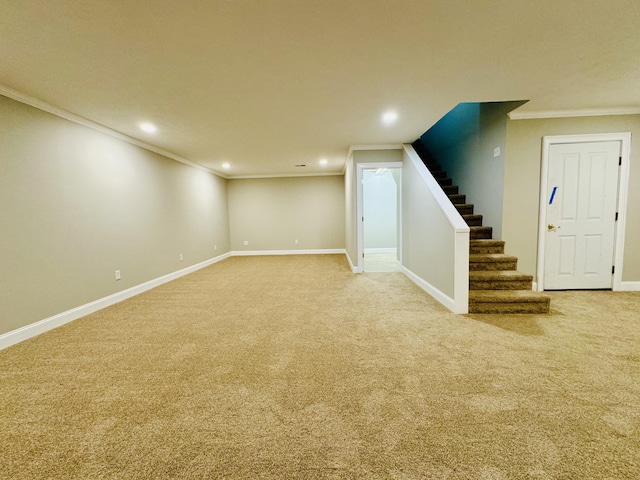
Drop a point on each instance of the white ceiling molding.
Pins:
(284, 175)
(59, 112)
(596, 112)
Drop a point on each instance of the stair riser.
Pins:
(444, 182)
(450, 190)
(482, 233)
(492, 266)
(499, 285)
(464, 209)
(474, 221)
(458, 199)
(506, 308)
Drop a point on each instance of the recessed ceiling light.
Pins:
(226, 165)
(324, 161)
(389, 117)
(148, 127)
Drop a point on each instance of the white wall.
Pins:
(76, 204)
(271, 213)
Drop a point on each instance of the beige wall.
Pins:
(522, 184)
(76, 204)
(271, 213)
(428, 239)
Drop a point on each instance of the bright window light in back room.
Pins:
(389, 117)
(148, 127)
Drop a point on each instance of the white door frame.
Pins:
(360, 208)
(621, 205)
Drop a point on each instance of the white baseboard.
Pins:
(629, 287)
(36, 328)
(249, 253)
(354, 269)
(380, 250)
(430, 289)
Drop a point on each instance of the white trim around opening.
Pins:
(361, 167)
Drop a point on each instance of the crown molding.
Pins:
(72, 117)
(592, 112)
(285, 175)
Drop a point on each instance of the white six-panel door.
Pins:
(582, 188)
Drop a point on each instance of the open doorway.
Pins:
(380, 208)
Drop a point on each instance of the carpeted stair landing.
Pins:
(495, 286)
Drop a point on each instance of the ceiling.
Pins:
(269, 84)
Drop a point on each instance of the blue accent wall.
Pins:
(464, 143)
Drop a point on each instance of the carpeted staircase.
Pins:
(495, 286)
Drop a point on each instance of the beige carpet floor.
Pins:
(293, 367)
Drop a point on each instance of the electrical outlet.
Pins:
(296, 241)
(246, 242)
(118, 276)
(496, 152)
(181, 257)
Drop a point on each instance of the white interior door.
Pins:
(581, 208)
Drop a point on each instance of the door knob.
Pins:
(551, 227)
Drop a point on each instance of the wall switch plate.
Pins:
(215, 247)
(246, 242)
(496, 152)
(118, 276)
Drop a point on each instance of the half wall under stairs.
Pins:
(495, 286)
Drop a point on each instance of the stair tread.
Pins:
(507, 296)
(480, 227)
(486, 241)
(506, 275)
(478, 232)
(490, 257)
